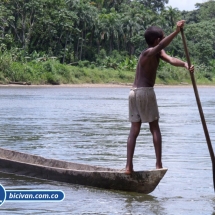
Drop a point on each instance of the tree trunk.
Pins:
(65, 48)
(82, 33)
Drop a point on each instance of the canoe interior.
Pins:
(38, 160)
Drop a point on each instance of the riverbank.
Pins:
(53, 73)
(128, 85)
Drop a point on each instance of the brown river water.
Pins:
(90, 126)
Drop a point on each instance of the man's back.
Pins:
(146, 70)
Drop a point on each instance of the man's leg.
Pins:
(157, 140)
(134, 132)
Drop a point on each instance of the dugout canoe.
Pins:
(56, 170)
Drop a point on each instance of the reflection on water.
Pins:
(90, 125)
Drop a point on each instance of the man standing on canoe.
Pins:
(142, 100)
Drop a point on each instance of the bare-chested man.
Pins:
(142, 100)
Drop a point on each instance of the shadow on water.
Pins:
(133, 202)
(149, 203)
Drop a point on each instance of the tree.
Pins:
(156, 5)
(201, 41)
(25, 14)
(206, 11)
(171, 15)
(87, 14)
(5, 18)
(110, 26)
(133, 20)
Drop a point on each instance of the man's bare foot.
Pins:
(159, 165)
(128, 171)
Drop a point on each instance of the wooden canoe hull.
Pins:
(56, 170)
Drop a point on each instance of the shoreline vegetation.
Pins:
(52, 72)
(98, 86)
(98, 42)
(95, 42)
(107, 85)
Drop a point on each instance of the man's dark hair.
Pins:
(152, 33)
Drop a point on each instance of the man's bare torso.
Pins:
(146, 70)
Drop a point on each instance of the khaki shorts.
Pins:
(143, 105)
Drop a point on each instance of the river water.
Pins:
(90, 126)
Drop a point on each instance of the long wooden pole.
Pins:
(210, 148)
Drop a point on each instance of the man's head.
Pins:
(152, 34)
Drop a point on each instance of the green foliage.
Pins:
(201, 41)
(86, 30)
(112, 61)
(5, 66)
(53, 72)
(129, 63)
(38, 39)
(174, 75)
(206, 10)
(84, 63)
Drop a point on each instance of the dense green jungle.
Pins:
(98, 41)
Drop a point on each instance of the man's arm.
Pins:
(172, 60)
(175, 61)
(166, 41)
